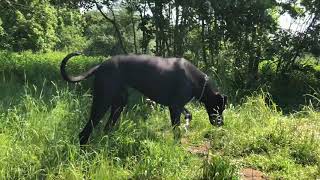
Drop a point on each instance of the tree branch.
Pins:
(114, 23)
(298, 50)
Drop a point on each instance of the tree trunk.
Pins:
(176, 31)
(254, 59)
(134, 33)
(115, 25)
(144, 43)
(204, 54)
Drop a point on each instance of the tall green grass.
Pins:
(258, 135)
(39, 138)
(41, 116)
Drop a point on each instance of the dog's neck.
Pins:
(202, 88)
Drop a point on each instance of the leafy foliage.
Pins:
(40, 119)
(248, 31)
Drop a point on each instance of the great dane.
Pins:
(172, 82)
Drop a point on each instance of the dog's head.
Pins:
(215, 106)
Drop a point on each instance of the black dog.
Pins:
(172, 82)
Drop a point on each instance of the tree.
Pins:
(292, 43)
(29, 25)
(70, 30)
(202, 30)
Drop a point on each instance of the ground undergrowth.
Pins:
(41, 116)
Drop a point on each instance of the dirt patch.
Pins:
(201, 149)
(250, 174)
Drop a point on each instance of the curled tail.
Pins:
(74, 79)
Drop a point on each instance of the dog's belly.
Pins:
(163, 89)
(156, 91)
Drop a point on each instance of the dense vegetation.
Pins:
(41, 116)
(228, 39)
(199, 30)
(271, 75)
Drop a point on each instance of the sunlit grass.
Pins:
(40, 119)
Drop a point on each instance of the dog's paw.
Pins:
(187, 125)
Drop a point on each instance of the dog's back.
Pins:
(157, 78)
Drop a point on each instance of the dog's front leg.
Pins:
(175, 114)
(187, 117)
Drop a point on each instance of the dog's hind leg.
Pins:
(99, 107)
(117, 107)
(101, 101)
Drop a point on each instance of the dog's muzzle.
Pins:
(216, 119)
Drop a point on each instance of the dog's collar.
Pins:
(206, 78)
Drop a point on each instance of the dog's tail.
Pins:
(74, 79)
